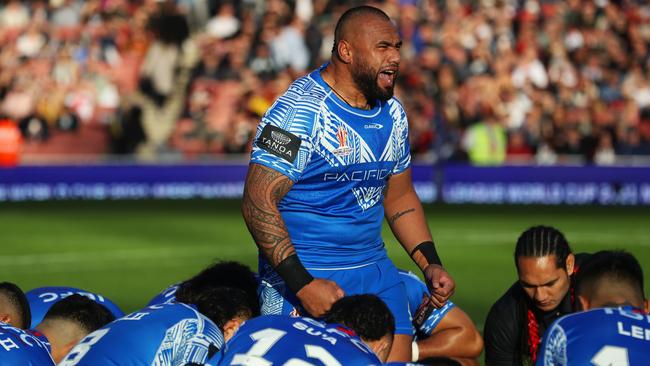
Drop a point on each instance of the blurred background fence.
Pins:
(547, 185)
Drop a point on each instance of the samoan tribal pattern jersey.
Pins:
(283, 340)
(20, 347)
(41, 300)
(159, 335)
(417, 290)
(166, 296)
(339, 159)
(598, 337)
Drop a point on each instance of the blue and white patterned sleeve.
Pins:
(418, 296)
(284, 138)
(434, 319)
(400, 137)
(553, 349)
(189, 341)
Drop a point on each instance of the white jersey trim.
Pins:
(341, 268)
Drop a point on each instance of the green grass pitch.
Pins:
(130, 250)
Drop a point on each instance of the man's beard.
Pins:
(366, 80)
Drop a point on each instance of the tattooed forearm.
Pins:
(399, 214)
(264, 188)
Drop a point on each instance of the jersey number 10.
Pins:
(265, 340)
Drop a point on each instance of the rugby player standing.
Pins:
(330, 160)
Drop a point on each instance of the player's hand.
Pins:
(318, 296)
(440, 284)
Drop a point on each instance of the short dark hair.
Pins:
(86, 313)
(350, 15)
(618, 265)
(365, 314)
(540, 241)
(222, 304)
(16, 297)
(221, 274)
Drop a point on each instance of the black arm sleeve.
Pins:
(502, 333)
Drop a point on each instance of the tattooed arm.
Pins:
(404, 213)
(407, 221)
(263, 190)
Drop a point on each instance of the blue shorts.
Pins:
(379, 278)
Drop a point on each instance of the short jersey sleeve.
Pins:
(189, 341)
(418, 296)
(400, 138)
(285, 135)
(553, 350)
(432, 321)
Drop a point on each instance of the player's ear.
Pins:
(582, 303)
(231, 327)
(5, 318)
(646, 306)
(344, 51)
(570, 263)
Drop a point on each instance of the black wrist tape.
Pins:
(428, 250)
(293, 273)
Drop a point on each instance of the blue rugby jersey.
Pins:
(417, 291)
(159, 335)
(283, 340)
(41, 300)
(167, 295)
(598, 337)
(24, 348)
(339, 159)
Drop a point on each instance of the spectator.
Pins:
(518, 150)
(485, 142)
(605, 154)
(14, 15)
(553, 70)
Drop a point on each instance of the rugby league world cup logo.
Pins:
(342, 137)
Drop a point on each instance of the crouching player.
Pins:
(357, 330)
(443, 332)
(41, 300)
(64, 325)
(614, 329)
(220, 274)
(181, 333)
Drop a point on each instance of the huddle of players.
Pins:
(213, 319)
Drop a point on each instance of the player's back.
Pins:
(600, 337)
(19, 347)
(165, 334)
(281, 340)
(41, 300)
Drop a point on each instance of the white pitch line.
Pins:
(78, 257)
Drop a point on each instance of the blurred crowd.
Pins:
(489, 81)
